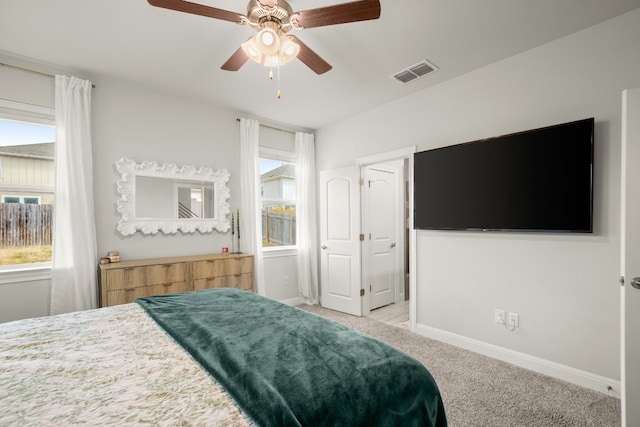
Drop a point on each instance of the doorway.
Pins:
(387, 245)
(383, 223)
(342, 238)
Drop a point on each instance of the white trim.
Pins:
(537, 364)
(401, 153)
(413, 257)
(20, 111)
(25, 273)
(293, 301)
(279, 251)
(269, 153)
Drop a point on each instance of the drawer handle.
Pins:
(129, 289)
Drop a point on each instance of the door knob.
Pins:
(393, 245)
(635, 282)
(323, 247)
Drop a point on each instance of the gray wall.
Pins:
(564, 287)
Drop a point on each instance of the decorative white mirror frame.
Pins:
(126, 205)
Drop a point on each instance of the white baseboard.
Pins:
(293, 301)
(537, 364)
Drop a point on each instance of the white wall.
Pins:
(141, 124)
(565, 287)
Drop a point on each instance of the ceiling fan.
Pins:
(273, 19)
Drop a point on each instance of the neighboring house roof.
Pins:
(284, 171)
(44, 150)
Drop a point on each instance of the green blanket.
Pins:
(287, 367)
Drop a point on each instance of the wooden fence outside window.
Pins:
(24, 225)
(278, 229)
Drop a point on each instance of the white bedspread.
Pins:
(111, 366)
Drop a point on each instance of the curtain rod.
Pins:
(15, 67)
(274, 128)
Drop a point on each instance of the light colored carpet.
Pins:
(481, 391)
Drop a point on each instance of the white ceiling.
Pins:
(183, 53)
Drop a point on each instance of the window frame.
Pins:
(37, 115)
(268, 153)
(22, 198)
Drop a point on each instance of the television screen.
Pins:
(537, 180)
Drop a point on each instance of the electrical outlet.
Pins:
(514, 320)
(286, 279)
(499, 316)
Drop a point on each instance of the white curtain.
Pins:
(250, 201)
(306, 224)
(74, 261)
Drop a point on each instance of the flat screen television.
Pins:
(536, 180)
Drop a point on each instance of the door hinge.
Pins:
(621, 280)
(361, 292)
(361, 181)
(361, 237)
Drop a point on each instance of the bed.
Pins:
(214, 357)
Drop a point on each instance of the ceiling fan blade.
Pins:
(236, 60)
(310, 58)
(198, 9)
(362, 10)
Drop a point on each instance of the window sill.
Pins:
(279, 251)
(25, 273)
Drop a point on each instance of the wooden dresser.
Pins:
(122, 282)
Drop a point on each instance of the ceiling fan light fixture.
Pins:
(251, 48)
(288, 50)
(268, 41)
(271, 61)
(267, 38)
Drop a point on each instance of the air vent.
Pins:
(414, 72)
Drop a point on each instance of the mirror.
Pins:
(169, 198)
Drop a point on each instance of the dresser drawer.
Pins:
(222, 267)
(238, 281)
(127, 295)
(129, 277)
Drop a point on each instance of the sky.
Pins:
(269, 165)
(19, 133)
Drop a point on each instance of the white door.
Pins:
(382, 210)
(630, 265)
(340, 240)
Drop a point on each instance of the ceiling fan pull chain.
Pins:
(278, 94)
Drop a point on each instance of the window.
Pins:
(278, 192)
(27, 146)
(21, 199)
